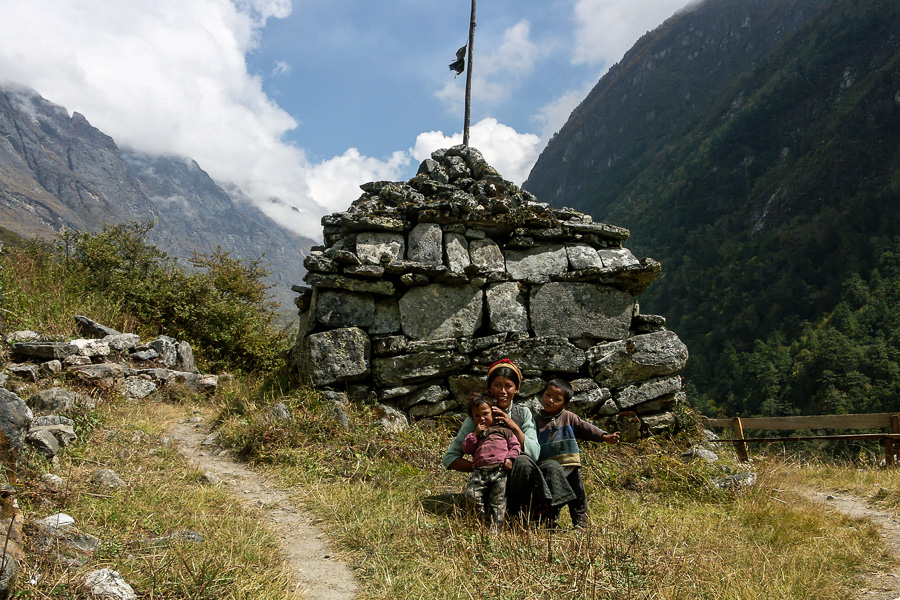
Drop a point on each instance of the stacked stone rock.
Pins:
(419, 286)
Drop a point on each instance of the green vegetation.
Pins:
(660, 527)
(775, 183)
(219, 305)
(848, 361)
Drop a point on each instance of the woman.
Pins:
(527, 488)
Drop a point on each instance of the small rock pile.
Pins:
(419, 286)
(103, 358)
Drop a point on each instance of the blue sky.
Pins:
(304, 100)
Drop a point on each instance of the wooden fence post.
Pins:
(890, 446)
(740, 447)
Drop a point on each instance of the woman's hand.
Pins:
(611, 438)
(499, 413)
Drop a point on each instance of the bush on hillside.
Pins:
(219, 304)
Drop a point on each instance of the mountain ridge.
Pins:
(61, 172)
(768, 194)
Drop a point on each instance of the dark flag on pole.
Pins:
(459, 65)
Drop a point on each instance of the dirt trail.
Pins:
(318, 574)
(876, 586)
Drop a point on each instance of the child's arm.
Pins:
(585, 430)
(470, 443)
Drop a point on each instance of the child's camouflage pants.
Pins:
(487, 487)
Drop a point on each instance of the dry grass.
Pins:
(660, 529)
(236, 559)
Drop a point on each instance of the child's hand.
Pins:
(507, 464)
(480, 429)
(611, 438)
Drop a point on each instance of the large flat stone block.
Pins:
(581, 310)
(435, 311)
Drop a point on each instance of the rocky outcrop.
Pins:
(419, 286)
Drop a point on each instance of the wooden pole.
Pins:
(740, 447)
(469, 77)
(890, 446)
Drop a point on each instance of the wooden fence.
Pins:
(889, 421)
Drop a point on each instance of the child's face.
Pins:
(503, 390)
(553, 400)
(482, 415)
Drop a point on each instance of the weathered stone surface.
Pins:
(469, 345)
(184, 358)
(192, 383)
(137, 387)
(122, 341)
(506, 307)
(43, 441)
(92, 347)
(465, 387)
(588, 402)
(397, 370)
(92, 329)
(23, 336)
(378, 247)
(387, 317)
(534, 355)
(637, 358)
(108, 478)
(485, 253)
(167, 349)
(648, 323)
(537, 264)
(456, 247)
(63, 433)
(107, 584)
(616, 258)
(340, 355)
(391, 420)
(633, 395)
(582, 256)
(383, 288)
(44, 350)
(338, 309)
(26, 371)
(50, 368)
(433, 410)
(438, 311)
(580, 310)
(100, 371)
(429, 395)
(142, 355)
(426, 244)
(659, 423)
(319, 263)
(53, 400)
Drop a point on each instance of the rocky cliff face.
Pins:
(751, 147)
(58, 171)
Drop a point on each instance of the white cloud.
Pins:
(170, 77)
(335, 182)
(511, 153)
(607, 29)
(281, 68)
(498, 74)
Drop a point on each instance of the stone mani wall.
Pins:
(421, 285)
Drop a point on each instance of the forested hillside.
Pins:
(751, 147)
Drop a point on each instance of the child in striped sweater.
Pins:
(558, 433)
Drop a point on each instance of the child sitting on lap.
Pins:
(493, 449)
(558, 432)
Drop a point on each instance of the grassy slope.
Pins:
(659, 528)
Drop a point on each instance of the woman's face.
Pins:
(503, 390)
